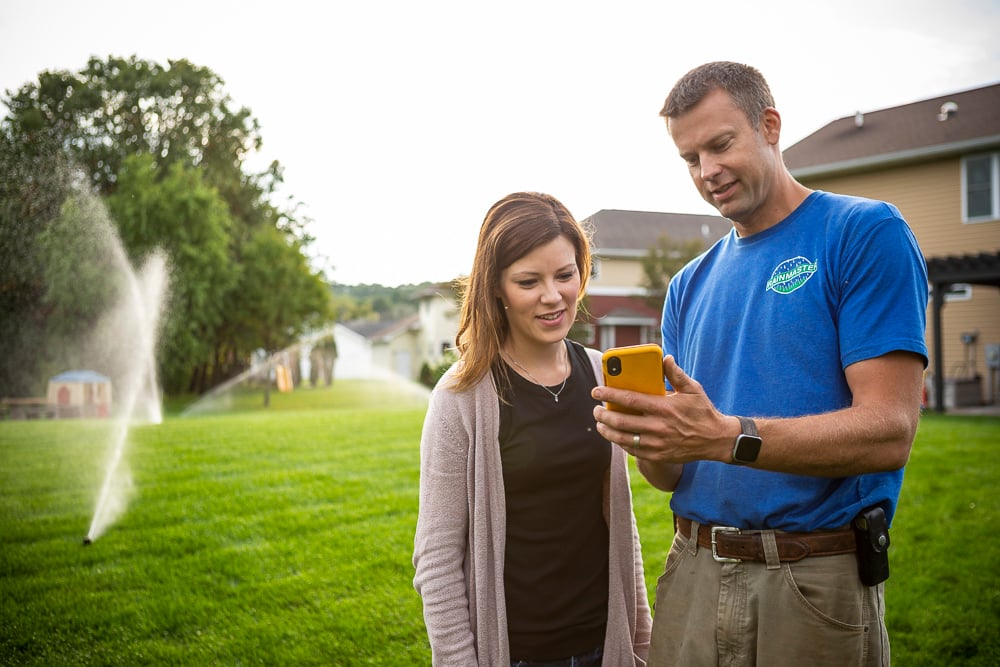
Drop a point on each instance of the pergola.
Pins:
(942, 273)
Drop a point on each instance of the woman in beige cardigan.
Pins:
(526, 549)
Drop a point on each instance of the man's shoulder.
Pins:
(853, 206)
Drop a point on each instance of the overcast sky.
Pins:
(400, 122)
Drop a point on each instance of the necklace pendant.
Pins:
(557, 399)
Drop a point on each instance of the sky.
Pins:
(399, 123)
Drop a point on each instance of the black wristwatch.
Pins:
(748, 443)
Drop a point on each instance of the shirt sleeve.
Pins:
(883, 283)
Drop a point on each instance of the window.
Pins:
(981, 187)
(955, 292)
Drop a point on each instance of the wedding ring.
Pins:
(635, 440)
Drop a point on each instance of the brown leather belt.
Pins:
(731, 544)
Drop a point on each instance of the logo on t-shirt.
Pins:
(791, 274)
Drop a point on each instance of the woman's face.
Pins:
(540, 292)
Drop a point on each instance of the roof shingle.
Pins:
(905, 133)
(638, 231)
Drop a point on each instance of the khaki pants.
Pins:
(811, 612)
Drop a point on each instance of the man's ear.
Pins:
(770, 125)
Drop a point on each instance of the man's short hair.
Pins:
(744, 84)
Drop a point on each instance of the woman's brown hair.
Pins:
(513, 227)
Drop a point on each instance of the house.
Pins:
(393, 345)
(371, 348)
(938, 161)
(618, 311)
(437, 312)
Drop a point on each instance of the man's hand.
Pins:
(874, 434)
(674, 429)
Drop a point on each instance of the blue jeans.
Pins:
(588, 659)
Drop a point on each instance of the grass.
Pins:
(944, 590)
(276, 537)
(283, 536)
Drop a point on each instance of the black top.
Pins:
(556, 560)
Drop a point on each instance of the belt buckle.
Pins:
(715, 536)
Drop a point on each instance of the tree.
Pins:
(123, 106)
(189, 220)
(34, 182)
(662, 261)
(166, 146)
(279, 297)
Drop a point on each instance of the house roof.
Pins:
(940, 126)
(383, 330)
(89, 377)
(633, 233)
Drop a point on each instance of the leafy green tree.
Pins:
(662, 261)
(349, 308)
(190, 221)
(34, 182)
(122, 106)
(167, 146)
(79, 267)
(279, 297)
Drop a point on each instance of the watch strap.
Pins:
(748, 426)
(748, 443)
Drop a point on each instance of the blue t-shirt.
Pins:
(768, 323)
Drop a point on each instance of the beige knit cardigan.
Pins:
(458, 549)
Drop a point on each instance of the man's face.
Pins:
(731, 162)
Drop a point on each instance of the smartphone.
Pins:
(635, 367)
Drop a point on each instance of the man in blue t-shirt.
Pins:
(801, 339)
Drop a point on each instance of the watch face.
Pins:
(747, 448)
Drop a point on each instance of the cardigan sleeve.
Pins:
(627, 557)
(441, 539)
(644, 619)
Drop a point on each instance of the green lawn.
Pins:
(283, 536)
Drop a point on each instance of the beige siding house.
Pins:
(938, 161)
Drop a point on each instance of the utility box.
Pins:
(962, 392)
(992, 353)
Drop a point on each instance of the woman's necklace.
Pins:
(555, 394)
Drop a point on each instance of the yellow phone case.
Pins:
(634, 367)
